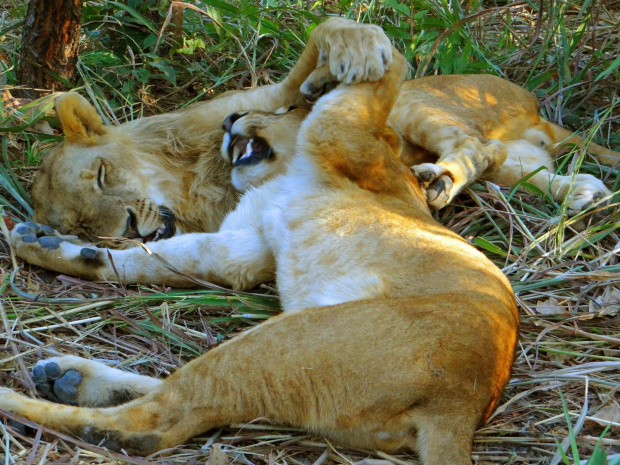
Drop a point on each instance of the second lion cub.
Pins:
(396, 332)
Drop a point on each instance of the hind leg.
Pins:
(583, 190)
(77, 381)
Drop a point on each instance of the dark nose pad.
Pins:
(230, 120)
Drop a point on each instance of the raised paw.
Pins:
(42, 246)
(436, 182)
(353, 52)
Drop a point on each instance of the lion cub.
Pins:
(396, 332)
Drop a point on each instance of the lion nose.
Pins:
(230, 120)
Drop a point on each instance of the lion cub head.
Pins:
(94, 183)
(260, 145)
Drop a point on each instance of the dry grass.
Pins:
(567, 369)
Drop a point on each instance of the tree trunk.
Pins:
(50, 42)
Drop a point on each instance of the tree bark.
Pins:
(50, 42)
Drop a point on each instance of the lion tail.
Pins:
(564, 136)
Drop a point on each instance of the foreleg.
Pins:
(238, 259)
(463, 159)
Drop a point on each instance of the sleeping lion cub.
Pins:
(396, 332)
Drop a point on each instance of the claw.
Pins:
(438, 193)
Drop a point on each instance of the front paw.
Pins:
(43, 246)
(437, 183)
(353, 52)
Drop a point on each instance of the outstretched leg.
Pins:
(584, 190)
(351, 394)
(237, 256)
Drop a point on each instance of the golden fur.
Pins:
(456, 129)
(374, 350)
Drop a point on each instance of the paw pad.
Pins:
(50, 242)
(24, 229)
(55, 386)
(88, 254)
(30, 238)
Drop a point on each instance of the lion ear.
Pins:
(79, 119)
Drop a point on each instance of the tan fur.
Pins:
(396, 332)
(463, 127)
(173, 159)
(466, 127)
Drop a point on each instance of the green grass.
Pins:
(130, 66)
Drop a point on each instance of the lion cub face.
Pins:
(259, 145)
(93, 184)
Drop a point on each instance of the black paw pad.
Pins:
(29, 238)
(426, 176)
(438, 193)
(33, 226)
(38, 374)
(52, 371)
(88, 254)
(23, 229)
(44, 376)
(65, 388)
(48, 230)
(19, 427)
(50, 242)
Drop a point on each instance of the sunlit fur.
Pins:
(396, 333)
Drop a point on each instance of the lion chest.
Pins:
(319, 252)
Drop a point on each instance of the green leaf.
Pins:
(169, 72)
(614, 65)
(599, 457)
(137, 16)
(486, 245)
(398, 6)
(142, 75)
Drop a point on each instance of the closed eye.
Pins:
(101, 176)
